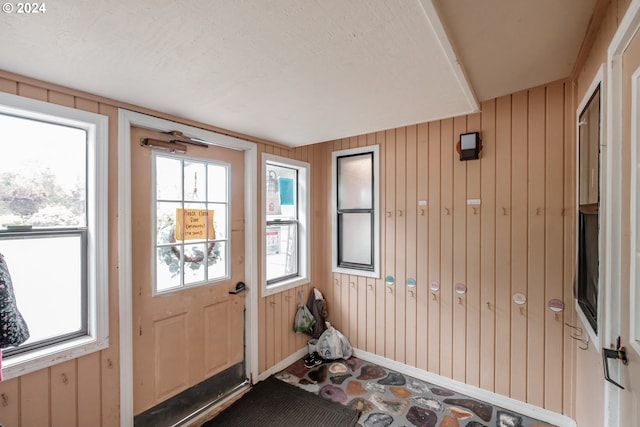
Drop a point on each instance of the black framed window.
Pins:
(587, 283)
(355, 211)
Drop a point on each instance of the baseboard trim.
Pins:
(469, 390)
(283, 364)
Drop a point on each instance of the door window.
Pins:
(191, 226)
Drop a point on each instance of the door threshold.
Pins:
(210, 410)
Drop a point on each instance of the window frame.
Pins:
(593, 333)
(154, 238)
(96, 266)
(335, 224)
(303, 186)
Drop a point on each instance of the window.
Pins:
(286, 227)
(192, 207)
(587, 291)
(355, 211)
(53, 230)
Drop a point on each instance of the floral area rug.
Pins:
(387, 398)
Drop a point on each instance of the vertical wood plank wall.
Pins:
(517, 240)
(512, 242)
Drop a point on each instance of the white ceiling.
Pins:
(298, 71)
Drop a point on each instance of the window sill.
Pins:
(354, 272)
(35, 360)
(285, 285)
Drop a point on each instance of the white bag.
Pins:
(333, 345)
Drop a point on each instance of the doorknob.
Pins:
(240, 287)
(617, 354)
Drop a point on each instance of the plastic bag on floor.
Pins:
(333, 345)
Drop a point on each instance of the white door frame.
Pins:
(126, 119)
(613, 203)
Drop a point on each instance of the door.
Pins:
(187, 255)
(624, 404)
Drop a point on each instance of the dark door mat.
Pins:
(274, 403)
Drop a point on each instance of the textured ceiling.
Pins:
(298, 72)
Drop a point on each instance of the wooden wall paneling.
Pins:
(353, 309)
(30, 91)
(401, 241)
(361, 292)
(390, 249)
(536, 239)
(336, 317)
(459, 307)
(423, 295)
(380, 288)
(64, 394)
(289, 337)
(10, 402)
(434, 211)
(89, 386)
(61, 98)
(411, 245)
(345, 306)
(35, 399)
(446, 248)
(489, 210)
(325, 209)
(473, 304)
(8, 86)
(270, 349)
(569, 365)
(371, 292)
(94, 107)
(554, 323)
(503, 246)
(519, 216)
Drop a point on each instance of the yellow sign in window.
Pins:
(194, 224)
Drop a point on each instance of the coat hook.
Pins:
(475, 211)
(421, 212)
(412, 292)
(489, 305)
(460, 300)
(388, 214)
(522, 311)
(539, 211)
(389, 289)
(447, 211)
(5, 399)
(353, 284)
(435, 297)
(577, 329)
(399, 212)
(65, 379)
(370, 285)
(505, 211)
(585, 342)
